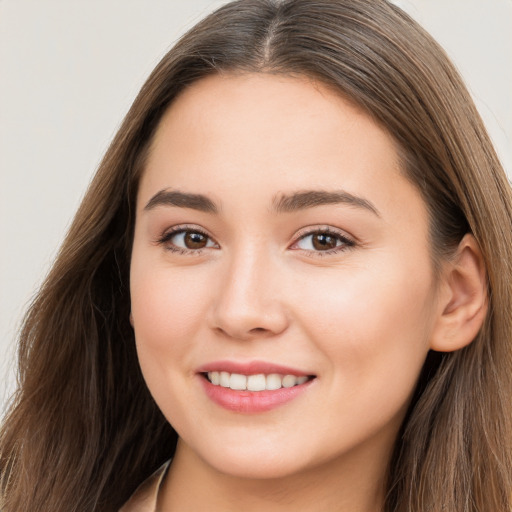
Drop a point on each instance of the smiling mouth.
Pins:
(256, 382)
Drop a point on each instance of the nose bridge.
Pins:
(248, 302)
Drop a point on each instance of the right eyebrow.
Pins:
(312, 198)
(167, 197)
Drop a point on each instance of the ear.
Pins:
(463, 300)
(131, 319)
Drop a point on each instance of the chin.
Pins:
(256, 468)
(253, 461)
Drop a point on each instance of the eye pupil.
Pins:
(322, 241)
(194, 240)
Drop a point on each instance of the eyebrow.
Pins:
(284, 203)
(311, 198)
(182, 200)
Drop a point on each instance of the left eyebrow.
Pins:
(312, 198)
(182, 200)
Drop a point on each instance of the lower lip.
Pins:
(252, 401)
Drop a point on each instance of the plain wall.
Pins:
(69, 70)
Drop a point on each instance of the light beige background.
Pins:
(69, 70)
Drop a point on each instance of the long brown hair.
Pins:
(83, 430)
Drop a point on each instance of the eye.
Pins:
(185, 240)
(323, 240)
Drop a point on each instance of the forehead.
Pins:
(258, 106)
(266, 134)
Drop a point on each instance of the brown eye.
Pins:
(324, 241)
(195, 240)
(187, 240)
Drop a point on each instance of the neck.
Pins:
(349, 484)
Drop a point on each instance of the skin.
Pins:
(361, 319)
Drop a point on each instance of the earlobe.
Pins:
(463, 298)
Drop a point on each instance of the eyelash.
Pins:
(168, 235)
(346, 243)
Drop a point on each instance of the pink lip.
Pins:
(250, 401)
(250, 368)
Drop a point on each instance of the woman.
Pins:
(297, 253)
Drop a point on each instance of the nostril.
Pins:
(247, 323)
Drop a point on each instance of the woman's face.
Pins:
(276, 235)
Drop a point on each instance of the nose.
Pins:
(249, 301)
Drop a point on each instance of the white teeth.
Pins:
(274, 381)
(224, 379)
(258, 382)
(238, 382)
(289, 381)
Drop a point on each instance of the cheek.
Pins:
(167, 310)
(373, 324)
(164, 304)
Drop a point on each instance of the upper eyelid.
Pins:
(180, 228)
(187, 227)
(324, 229)
(302, 233)
(346, 240)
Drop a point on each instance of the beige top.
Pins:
(145, 497)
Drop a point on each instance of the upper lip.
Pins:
(250, 368)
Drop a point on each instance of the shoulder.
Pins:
(145, 496)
